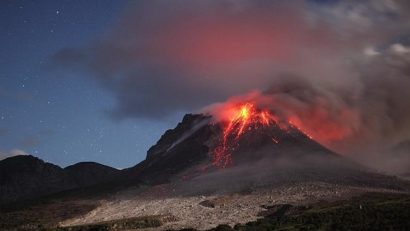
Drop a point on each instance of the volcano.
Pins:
(208, 170)
(250, 147)
(251, 133)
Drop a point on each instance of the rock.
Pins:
(207, 203)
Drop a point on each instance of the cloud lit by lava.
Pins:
(337, 71)
(265, 108)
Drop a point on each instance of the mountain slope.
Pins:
(27, 177)
(23, 177)
(178, 149)
(200, 155)
(91, 173)
(197, 140)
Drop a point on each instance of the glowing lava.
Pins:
(241, 119)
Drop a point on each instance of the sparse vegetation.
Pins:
(219, 201)
(41, 215)
(369, 212)
(121, 224)
(373, 211)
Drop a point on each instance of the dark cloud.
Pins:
(339, 70)
(163, 57)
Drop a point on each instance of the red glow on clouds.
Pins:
(239, 114)
(237, 47)
(222, 40)
(324, 126)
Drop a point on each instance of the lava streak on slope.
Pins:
(240, 119)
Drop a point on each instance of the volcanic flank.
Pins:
(250, 148)
(250, 129)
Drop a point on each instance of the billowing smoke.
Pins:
(338, 70)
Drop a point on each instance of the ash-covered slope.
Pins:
(178, 149)
(400, 158)
(196, 139)
(259, 140)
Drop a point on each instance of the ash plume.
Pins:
(339, 71)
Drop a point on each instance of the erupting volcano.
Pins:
(241, 119)
(235, 134)
(245, 117)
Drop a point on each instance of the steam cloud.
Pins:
(340, 70)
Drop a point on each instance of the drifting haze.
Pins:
(340, 70)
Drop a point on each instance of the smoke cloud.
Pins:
(340, 71)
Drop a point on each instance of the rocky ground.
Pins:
(205, 212)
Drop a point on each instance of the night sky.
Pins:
(97, 80)
(61, 117)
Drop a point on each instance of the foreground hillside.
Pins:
(372, 211)
(308, 206)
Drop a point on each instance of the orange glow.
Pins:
(239, 116)
(323, 127)
(296, 126)
(327, 126)
(241, 119)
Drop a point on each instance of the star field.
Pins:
(48, 113)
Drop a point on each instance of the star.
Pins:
(57, 12)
